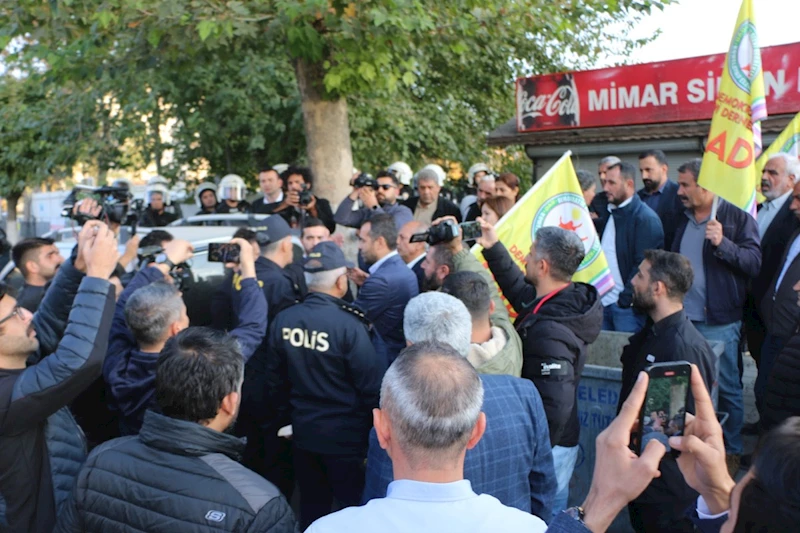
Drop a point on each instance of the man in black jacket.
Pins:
(324, 369)
(661, 282)
(557, 320)
(659, 192)
(782, 396)
(181, 473)
(64, 344)
(776, 224)
(779, 306)
(429, 205)
(299, 202)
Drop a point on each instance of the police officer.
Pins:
(283, 286)
(324, 358)
(282, 282)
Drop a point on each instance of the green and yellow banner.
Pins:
(734, 141)
(555, 200)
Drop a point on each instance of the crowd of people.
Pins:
(396, 392)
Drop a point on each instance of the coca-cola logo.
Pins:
(564, 101)
(549, 102)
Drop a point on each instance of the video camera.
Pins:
(116, 205)
(365, 180)
(445, 231)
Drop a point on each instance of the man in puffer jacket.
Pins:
(181, 473)
(558, 319)
(64, 343)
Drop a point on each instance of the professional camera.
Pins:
(365, 180)
(114, 204)
(445, 231)
(305, 196)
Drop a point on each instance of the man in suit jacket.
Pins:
(390, 284)
(776, 224)
(429, 206)
(413, 253)
(659, 193)
(513, 461)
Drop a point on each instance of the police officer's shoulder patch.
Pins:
(353, 310)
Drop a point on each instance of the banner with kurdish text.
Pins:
(788, 142)
(555, 200)
(734, 141)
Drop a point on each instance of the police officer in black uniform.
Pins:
(326, 365)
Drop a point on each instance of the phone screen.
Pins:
(664, 410)
(472, 230)
(223, 252)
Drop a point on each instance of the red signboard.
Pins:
(668, 91)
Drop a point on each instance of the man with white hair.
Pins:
(429, 416)
(429, 205)
(513, 461)
(779, 301)
(776, 224)
(323, 368)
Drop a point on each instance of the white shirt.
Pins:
(414, 262)
(430, 508)
(609, 245)
(279, 199)
(768, 211)
(377, 264)
(794, 250)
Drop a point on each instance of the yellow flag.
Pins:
(788, 142)
(734, 141)
(555, 200)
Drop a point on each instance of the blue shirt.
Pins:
(513, 461)
(435, 507)
(652, 199)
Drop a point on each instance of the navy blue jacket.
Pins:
(670, 210)
(323, 362)
(282, 287)
(175, 476)
(130, 373)
(41, 446)
(638, 228)
(512, 462)
(384, 297)
(729, 266)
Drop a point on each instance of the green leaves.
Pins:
(205, 28)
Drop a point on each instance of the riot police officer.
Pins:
(324, 358)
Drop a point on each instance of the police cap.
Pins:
(273, 229)
(325, 256)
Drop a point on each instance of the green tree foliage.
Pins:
(424, 80)
(40, 128)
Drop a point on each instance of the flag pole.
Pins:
(714, 207)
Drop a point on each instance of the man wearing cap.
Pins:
(324, 369)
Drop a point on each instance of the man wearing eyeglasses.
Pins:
(378, 197)
(63, 346)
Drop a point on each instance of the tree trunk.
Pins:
(327, 134)
(12, 233)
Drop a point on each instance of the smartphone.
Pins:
(472, 230)
(223, 252)
(664, 411)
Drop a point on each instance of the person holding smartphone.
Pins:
(659, 286)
